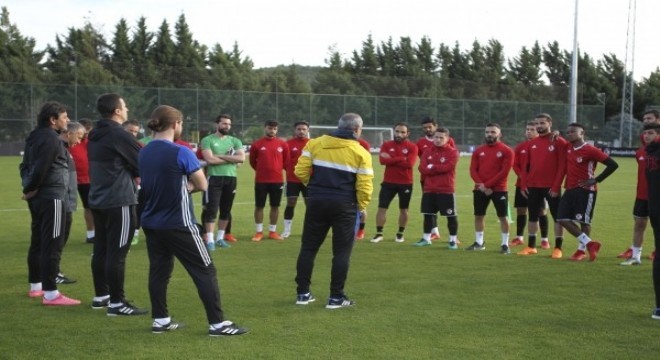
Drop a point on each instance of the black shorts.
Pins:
(641, 208)
(294, 189)
(536, 199)
(83, 191)
(500, 200)
(577, 204)
(432, 203)
(219, 196)
(272, 190)
(388, 191)
(519, 201)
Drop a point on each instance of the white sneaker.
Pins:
(631, 262)
(377, 238)
(399, 239)
(285, 234)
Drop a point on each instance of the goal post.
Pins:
(375, 136)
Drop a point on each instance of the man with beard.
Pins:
(170, 172)
(489, 169)
(293, 185)
(222, 152)
(541, 181)
(653, 182)
(399, 157)
(579, 200)
(268, 156)
(520, 201)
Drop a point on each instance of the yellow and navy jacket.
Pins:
(336, 167)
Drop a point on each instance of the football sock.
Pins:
(543, 225)
(531, 240)
(379, 230)
(51, 294)
(559, 242)
(220, 236)
(272, 228)
(521, 222)
(163, 321)
(91, 234)
(35, 286)
(636, 252)
(584, 239)
(260, 227)
(505, 239)
(479, 235)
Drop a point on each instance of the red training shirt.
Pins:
(520, 160)
(546, 163)
(398, 167)
(581, 164)
(642, 184)
(79, 154)
(491, 164)
(438, 165)
(296, 146)
(268, 156)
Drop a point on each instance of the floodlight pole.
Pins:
(574, 71)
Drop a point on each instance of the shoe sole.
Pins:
(304, 302)
(631, 263)
(376, 241)
(332, 307)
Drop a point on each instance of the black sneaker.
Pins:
(90, 240)
(62, 279)
(505, 250)
(126, 309)
(476, 246)
(336, 303)
(157, 328)
(304, 299)
(102, 304)
(227, 330)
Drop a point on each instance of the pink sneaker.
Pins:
(35, 293)
(61, 300)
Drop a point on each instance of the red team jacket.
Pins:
(581, 164)
(425, 143)
(296, 147)
(268, 157)
(546, 163)
(438, 166)
(398, 167)
(491, 164)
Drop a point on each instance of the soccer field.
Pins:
(412, 303)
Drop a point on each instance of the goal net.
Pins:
(375, 136)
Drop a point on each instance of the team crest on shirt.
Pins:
(551, 148)
(579, 159)
(279, 149)
(392, 149)
(534, 146)
(404, 151)
(578, 217)
(294, 148)
(523, 152)
(450, 211)
(641, 158)
(263, 148)
(442, 159)
(482, 154)
(499, 154)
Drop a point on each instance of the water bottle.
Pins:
(210, 245)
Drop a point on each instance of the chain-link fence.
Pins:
(465, 118)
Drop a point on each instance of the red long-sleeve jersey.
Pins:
(79, 155)
(491, 164)
(268, 157)
(438, 165)
(399, 164)
(296, 146)
(520, 160)
(581, 164)
(546, 163)
(425, 143)
(642, 184)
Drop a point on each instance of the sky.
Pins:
(302, 32)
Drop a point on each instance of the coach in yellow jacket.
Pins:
(338, 174)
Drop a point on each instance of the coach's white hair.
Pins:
(350, 121)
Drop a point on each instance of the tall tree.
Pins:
(526, 67)
(121, 59)
(141, 42)
(189, 56)
(161, 55)
(19, 61)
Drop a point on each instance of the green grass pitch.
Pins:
(412, 303)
